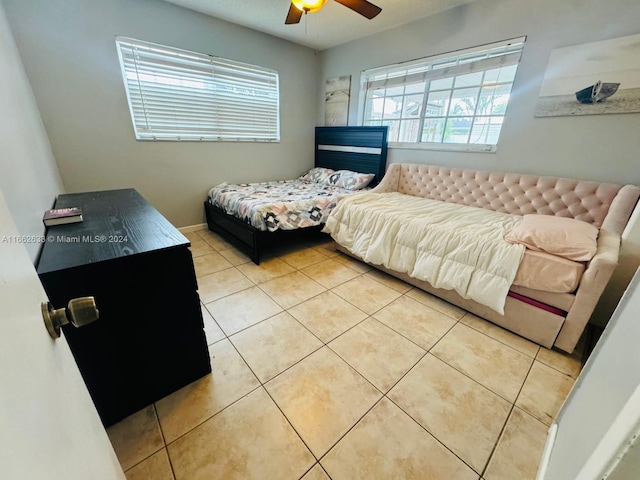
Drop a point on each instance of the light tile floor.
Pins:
(326, 369)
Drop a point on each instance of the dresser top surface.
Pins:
(116, 223)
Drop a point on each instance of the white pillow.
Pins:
(317, 175)
(350, 180)
(562, 236)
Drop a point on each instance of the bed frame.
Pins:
(361, 149)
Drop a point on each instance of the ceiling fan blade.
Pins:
(293, 16)
(364, 8)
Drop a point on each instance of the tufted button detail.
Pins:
(514, 193)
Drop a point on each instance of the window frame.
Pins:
(498, 54)
(191, 96)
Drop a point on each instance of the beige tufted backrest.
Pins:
(508, 192)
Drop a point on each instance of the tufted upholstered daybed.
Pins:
(553, 316)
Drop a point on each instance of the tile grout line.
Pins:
(292, 427)
(504, 427)
(212, 416)
(497, 442)
(385, 395)
(164, 444)
(229, 294)
(357, 422)
(477, 381)
(226, 407)
(144, 459)
(555, 368)
(164, 440)
(334, 286)
(296, 304)
(354, 369)
(326, 344)
(431, 434)
(498, 340)
(404, 336)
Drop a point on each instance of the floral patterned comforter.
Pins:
(285, 204)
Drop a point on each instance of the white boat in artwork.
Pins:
(596, 92)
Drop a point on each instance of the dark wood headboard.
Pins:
(361, 149)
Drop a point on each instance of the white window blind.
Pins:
(457, 99)
(176, 94)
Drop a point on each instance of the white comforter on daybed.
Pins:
(450, 246)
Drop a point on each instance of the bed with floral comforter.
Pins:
(253, 216)
(284, 205)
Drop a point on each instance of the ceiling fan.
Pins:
(298, 7)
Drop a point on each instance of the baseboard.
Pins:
(193, 228)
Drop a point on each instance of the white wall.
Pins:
(68, 49)
(600, 147)
(29, 175)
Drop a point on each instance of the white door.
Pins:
(596, 434)
(49, 428)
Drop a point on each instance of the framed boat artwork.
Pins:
(592, 79)
(336, 106)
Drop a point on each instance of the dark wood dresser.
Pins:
(149, 339)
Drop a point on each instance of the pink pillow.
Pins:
(565, 237)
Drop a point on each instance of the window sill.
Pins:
(441, 147)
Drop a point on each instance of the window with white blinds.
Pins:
(176, 94)
(457, 100)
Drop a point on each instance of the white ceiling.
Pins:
(333, 25)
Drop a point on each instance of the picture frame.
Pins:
(592, 79)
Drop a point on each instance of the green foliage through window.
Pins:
(458, 98)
